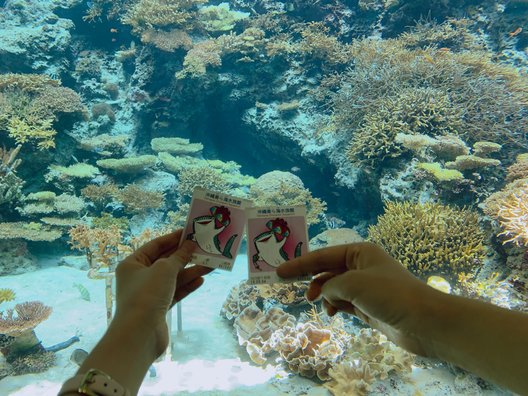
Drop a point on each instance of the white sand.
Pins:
(208, 359)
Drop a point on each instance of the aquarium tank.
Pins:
(400, 122)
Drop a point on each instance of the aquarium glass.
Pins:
(399, 122)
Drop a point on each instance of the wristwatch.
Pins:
(93, 383)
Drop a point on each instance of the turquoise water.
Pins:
(399, 122)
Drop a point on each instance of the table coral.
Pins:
(129, 165)
(431, 239)
(176, 146)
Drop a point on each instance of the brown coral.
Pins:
(23, 317)
(430, 239)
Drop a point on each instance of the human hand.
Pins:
(363, 280)
(151, 280)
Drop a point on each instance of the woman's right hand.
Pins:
(363, 280)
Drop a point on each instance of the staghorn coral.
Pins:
(202, 176)
(283, 189)
(100, 195)
(30, 104)
(149, 14)
(413, 111)
(167, 41)
(137, 200)
(430, 239)
(471, 95)
(102, 246)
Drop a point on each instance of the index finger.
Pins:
(313, 263)
(154, 249)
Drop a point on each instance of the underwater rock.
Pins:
(28, 26)
(334, 237)
(77, 262)
(15, 258)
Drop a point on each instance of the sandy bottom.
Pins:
(207, 359)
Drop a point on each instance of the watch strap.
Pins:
(93, 383)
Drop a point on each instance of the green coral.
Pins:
(439, 173)
(128, 165)
(204, 177)
(149, 14)
(29, 106)
(431, 239)
(6, 295)
(220, 18)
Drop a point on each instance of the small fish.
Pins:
(114, 30)
(428, 59)
(516, 32)
(295, 169)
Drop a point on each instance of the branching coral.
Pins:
(137, 200)
(30, 104)
(167, 41)
(10, 183)
(464, 93)
(283, 188)
(149, 14)
(430, 239)
(201, 176)
(101, 246)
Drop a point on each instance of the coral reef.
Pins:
(10, 184)
(129, 165)
(309, 349)
(431, 239)
(29, 106)
(283, 189)
(370, 357)
(15, 257)
(513, 214)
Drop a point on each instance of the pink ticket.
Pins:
(216, 224)
(275, 235)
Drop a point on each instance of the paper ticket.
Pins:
(216, 224)
(275, 235)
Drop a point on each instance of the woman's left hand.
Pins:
(152, 279)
